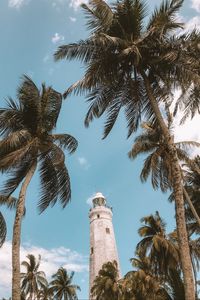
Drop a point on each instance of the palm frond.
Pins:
(3, 229)
(66, 141)
(51, 102)
(11, 118)
(164, 18)
(99, 15)
(10, 202)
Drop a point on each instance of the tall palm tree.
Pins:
(161, 247)
(105, 285)
(26, 127)
(133, 64)
(158, 163)
(62, 286)
(32, 279)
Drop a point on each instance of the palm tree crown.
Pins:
(106, 285)
(158, 162)
(26, 127)
(28, 141)
(121, 49)
(161, 247)
(32, 279)
(62, 286)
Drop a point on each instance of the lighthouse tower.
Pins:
(102, 238)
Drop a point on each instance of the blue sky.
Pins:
(31, 31)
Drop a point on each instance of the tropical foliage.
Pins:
(32, 280)
(34, 285)
(134, 63)
(28, 142)
(62, 286)
(106, 284)
(157, 272)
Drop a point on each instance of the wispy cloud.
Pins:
(193, 23)
(75, 4)
(89, 200)
(72, 19)
(52, 259)
(83, 162)
(17, 3)
(189, 131)
(57, 38)
(196, 5)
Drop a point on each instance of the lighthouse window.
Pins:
(92, 250)
(98, 216)
(107, 230)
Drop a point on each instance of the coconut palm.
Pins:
(26, 127)
(161, 247)
(142, 283)
(105, 285)
(158, 163)
(133, 63)
(62, 286)
(32, 279)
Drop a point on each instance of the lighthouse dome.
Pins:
(99, 200)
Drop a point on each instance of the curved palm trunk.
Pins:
(194, 212)
(16, 293)
(179, 201)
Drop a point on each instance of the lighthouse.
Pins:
(102, 238)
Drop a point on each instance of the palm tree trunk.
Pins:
(193, 210)
(16, 293)
(179, 201)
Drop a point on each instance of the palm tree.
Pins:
(158, 163)
(32, 279)
(142, 283)
(26, 127)
(133, 64)
(62, 286)
(105, 285)
(161, 247)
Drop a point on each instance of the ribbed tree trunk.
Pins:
(16, 293)
(193, 210)
(179, 201)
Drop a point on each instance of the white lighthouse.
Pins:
(102, 238)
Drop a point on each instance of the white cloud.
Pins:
(89, 200)
(75, 4)
(57, 38)
(52, 259)
(189, 131)
(193, 23)
(83, 162)
(17, 3)
(72, 19)
(196, 5)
